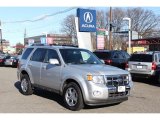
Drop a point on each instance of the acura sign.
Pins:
(87, 20)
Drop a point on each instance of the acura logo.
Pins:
(88, 17)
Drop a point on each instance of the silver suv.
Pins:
(76, 74)
(145, 64)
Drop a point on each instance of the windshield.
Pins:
(79, 56)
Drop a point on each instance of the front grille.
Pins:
(116, 94)
(117, 80)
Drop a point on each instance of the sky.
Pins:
(14, 32)
(13, 10)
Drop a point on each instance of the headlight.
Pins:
(97, 79)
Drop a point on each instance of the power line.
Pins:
(41, 18)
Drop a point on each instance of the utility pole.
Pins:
(110, 28)
(24, 35)
(1, 37)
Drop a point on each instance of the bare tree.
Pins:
(69, 27)
(143, 21)
(117, 24)
(100, 16)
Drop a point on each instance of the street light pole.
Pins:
(110, 29)
(129, 33)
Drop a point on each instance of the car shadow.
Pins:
(100, 106)
(43, 93)
(149, 81)
(57, 98)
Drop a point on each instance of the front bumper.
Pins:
(99, 95)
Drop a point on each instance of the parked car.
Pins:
(76, 74)
(113, 57)
(3, 57)
(145, 64)
(11, 61)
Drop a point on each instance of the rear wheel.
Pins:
(26, 87)
(73, 97)
(158, 79)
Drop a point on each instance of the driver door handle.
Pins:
(44, 67)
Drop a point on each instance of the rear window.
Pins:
(141, 58)
(103, 55)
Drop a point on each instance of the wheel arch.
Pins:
(67, 81)
(25, 72)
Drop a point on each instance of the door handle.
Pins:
(44, 67)
(30, 65)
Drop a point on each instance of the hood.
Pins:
(99, 69)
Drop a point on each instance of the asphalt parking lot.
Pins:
(145, 98)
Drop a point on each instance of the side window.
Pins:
(159, 57)
(85, 56)
(120, 55)
(8, 57)
(51, 54)
(126, 55)
(156, 59)
(38, 55)
(27, 53)
(115, 56)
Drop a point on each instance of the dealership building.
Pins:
(52, 39)
(152, 44)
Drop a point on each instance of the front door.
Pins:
(50, 74)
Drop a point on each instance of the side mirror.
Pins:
(54, 61)
(103, 61)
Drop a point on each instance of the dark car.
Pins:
(11, 61)
(3, 57)
(116, 58)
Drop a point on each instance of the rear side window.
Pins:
(103, 55)
(141, 58)
(118, 55)
(39, 55)
(127, 56)
(27, 53)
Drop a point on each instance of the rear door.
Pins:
(141, 62)
(35, 64)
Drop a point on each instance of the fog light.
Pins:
(96, 93)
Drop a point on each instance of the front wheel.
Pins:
(73, 97)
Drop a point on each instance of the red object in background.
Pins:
(49, 40)
(154, 66)
(18, 46)
(1, 60)
(142, 42)
(108, 62)
(126, 65)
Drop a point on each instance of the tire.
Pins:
(158, 79)
(26, 87)
(72, 96)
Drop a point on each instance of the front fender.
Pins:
(82, 82)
